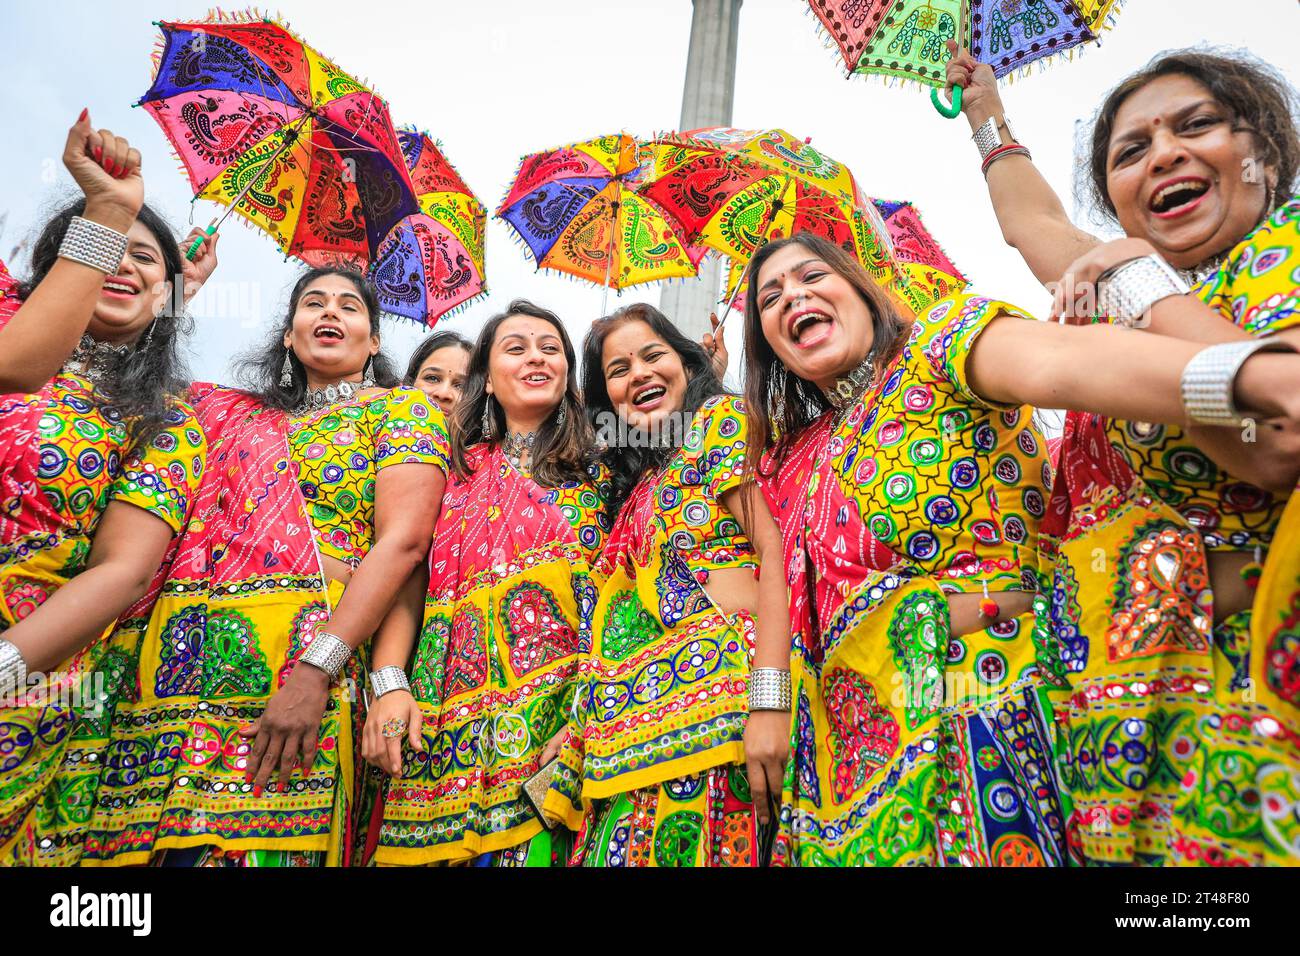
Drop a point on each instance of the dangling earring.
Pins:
(148, 338)
(368, 376)
(561, 417)
(489, 422)
(286, 370)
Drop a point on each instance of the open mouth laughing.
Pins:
(1178, 197)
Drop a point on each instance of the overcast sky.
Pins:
(496, 79)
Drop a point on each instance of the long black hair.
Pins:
(260, 369)
(562, 452)
(438, 340)
(778, 403)
(629, 461)
(142, 384)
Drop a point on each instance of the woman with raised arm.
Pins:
(438, 367)
(909, 483)
(1172, 757)
(99, 462)
(677, 744)
(508, 610)
(320, 502)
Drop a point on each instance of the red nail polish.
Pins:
(257, 791)
(84, 114)
(99, 154)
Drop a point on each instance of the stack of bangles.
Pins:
(1008, 149)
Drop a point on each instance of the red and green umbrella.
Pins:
(907, 39)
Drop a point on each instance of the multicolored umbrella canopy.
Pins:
(733, 190)
(577, 211)
(925, 274)
(906, 38)
(431, 264)
(442, 194)
(921, 273)
(265, 123)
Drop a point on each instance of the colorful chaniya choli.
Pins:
(1275, 673)
(1175, 757)
(911, 744)
(240, 605)
(65, 456)
(509, 607)
(653, 771)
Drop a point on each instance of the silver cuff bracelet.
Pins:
(388, 679)
(769, 689)
(328, 652)
(1208, 379)
(1126, 292)
(13, 670)
(94, 245)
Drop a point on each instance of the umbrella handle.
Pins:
(951, 110)
(194, 247)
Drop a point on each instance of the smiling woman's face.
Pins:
(644, 376)
(131, 297)
(815, 321)
(1179, 176)
(442, 376)
(331, 330)
(527, 369)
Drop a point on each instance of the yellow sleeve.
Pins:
(716, 443)
(410, 430)
(164, 477)
(945, 336)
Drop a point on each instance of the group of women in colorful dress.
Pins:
(864, 613)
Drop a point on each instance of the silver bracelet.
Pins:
(986, 135)
(328, 652)
(13, 671)
(94, 245)
(1126, 292)
(1208, 380)
(769, 689)
(388, 679)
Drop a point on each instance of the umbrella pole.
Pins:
(239, 197)
(609, 257)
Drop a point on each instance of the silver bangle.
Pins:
(388, 679)
(1126, 292)
(769, 689)
(94, 245)
(986, 135)
(13, 671)
(328, 652)
(1208, 380)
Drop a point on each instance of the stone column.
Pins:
(706, 101)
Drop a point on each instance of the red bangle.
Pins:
(1001, 151)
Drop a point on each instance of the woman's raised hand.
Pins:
(107, 169)
(980, 98)
(199, 269)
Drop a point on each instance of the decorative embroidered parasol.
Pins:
(922, 272)
(907, 38)
(577, 211)
(733, 190)
(431, 264)
(266, 125)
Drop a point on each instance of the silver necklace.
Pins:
(515, 445)
(1199, 273)
(317, 398)
(92, 358)
(849, 388)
